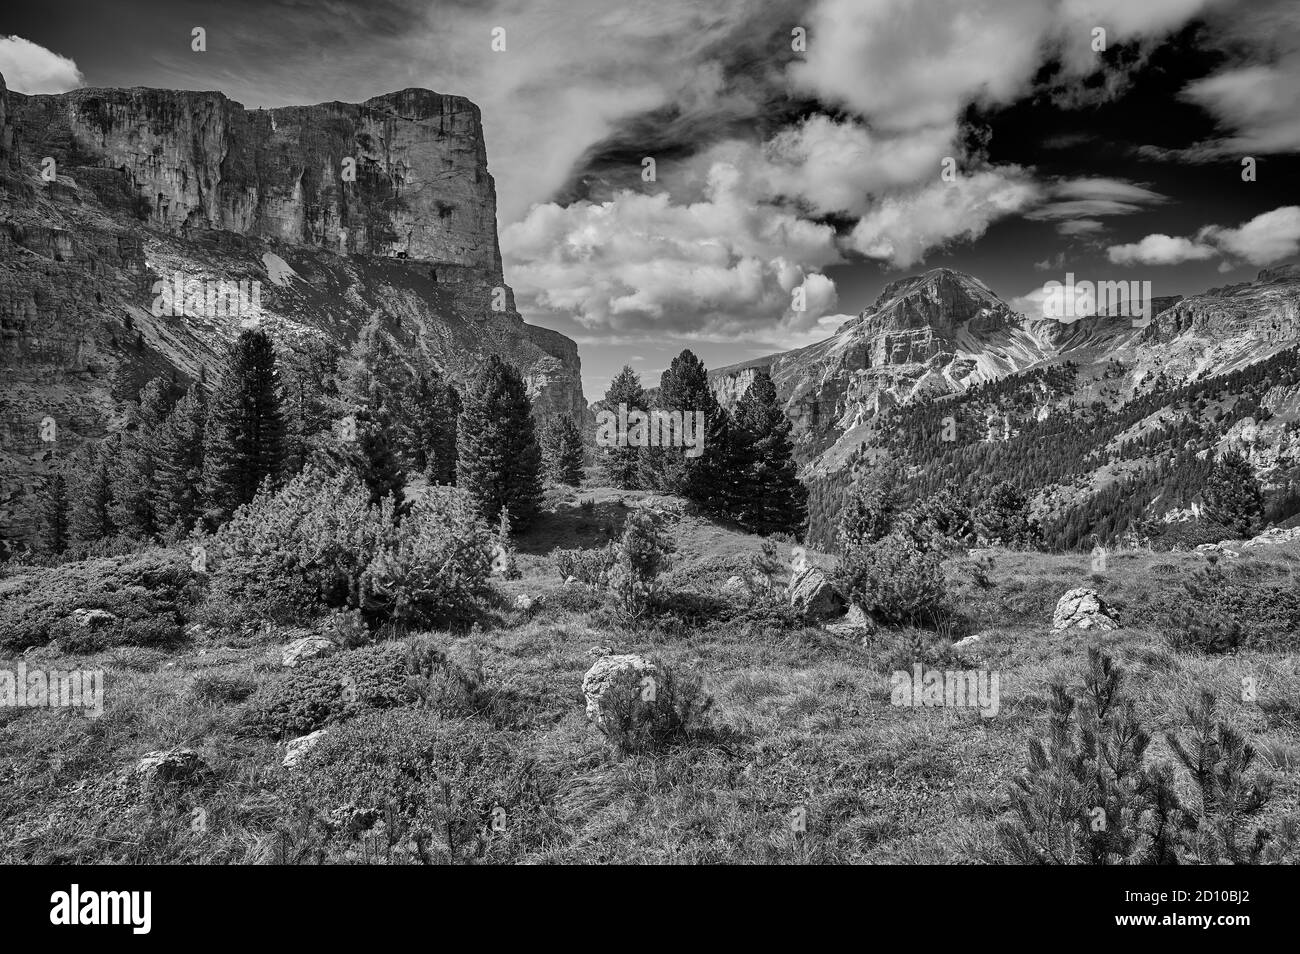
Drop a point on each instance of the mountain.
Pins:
(942, 345)
(331, 215)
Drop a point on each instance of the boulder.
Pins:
(173, 765)
(735, 586)
(855, 623)
(1272, 537)
(1083, 608)
(93, 618)
(309, 647)
(967, 642)
(612, 676)
(301, 746)
(812, 594)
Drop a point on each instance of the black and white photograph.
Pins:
(607, 432)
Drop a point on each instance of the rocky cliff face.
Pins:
(148, 185)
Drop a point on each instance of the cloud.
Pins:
(1267, 238)
(901, 229)
(30, 68)
(1079, 227)
(638, 263)
(1159, 249)
(1093, 198)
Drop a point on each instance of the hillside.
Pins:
(802, 722)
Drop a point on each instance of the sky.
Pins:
(805, 152)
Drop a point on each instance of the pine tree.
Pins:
(179, 501)
(498, 458)
(245, 442)
(562, 450)
(54, 513)
(361, 443)
(91, 493)
(772, 500)
(1003, 514)
(872, 508)
(621, 464)
(310, 401)
(1232, 495)
(430, 407)
(134, 466)
(711, 478)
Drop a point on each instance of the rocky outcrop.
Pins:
(813, 596)
(308, 647)
(1083, 608)
(299, 747)
(8, 157)
(155, 184)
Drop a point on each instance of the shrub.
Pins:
(641, 555)
(322, 691)
(645, 717)
(319, 543)
(148, 594)
(586, 566)
(1224, 609)
(449, 681)
(411, 786)
(893, 580)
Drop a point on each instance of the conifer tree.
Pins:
(562, 450)
(621, 463)
(499, 460)
(872, 508)
(54, 513)
(712, 478)
(362, 444)
(133, 468)
(245, 443)
(179, 477)
(91, 493)
(772, 500)
(311, 400)
(1232, 495)
(429, 408)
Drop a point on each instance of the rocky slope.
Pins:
(340, 213)
(942, 332)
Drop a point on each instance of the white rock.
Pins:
(93, 618)
(1083, 608)
(614, 675)
(301, 746)
(172, 765)
(968, 641)
(523, 602)
(812, 594)
(309, 647)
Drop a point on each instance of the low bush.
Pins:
(449, 681)
(406, 787)
(148, 595)
(319, 692)
(647, 716)
(586, 566)
(893, 580)
(319, 543)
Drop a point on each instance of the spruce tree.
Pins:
(91, 493)
(427, 423)
(54, 513)
(562, 450)
(498, 458)
(712, 477)
(245, 443)
(133, 468)
(621, 463)
(361, 443)
(179, 477)
(1232, 495)
(772, 500)
(310, 401)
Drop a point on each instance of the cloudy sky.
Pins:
(811, 149)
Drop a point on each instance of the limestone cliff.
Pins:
(338, 214)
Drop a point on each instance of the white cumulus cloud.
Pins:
(30, 68)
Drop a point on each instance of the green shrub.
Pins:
(449, 681)
(641, 556)
(148, 594)
(322, 691)
(411, 786)
(586, 566)
(892, 580)
(320, 543)
(647, 716)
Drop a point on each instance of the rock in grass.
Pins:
(812, 594)
(309, 647)
(1083, 608)
(611, 677)
(301, 746)
(173, 765)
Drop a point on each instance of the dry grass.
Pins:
(809, 729)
